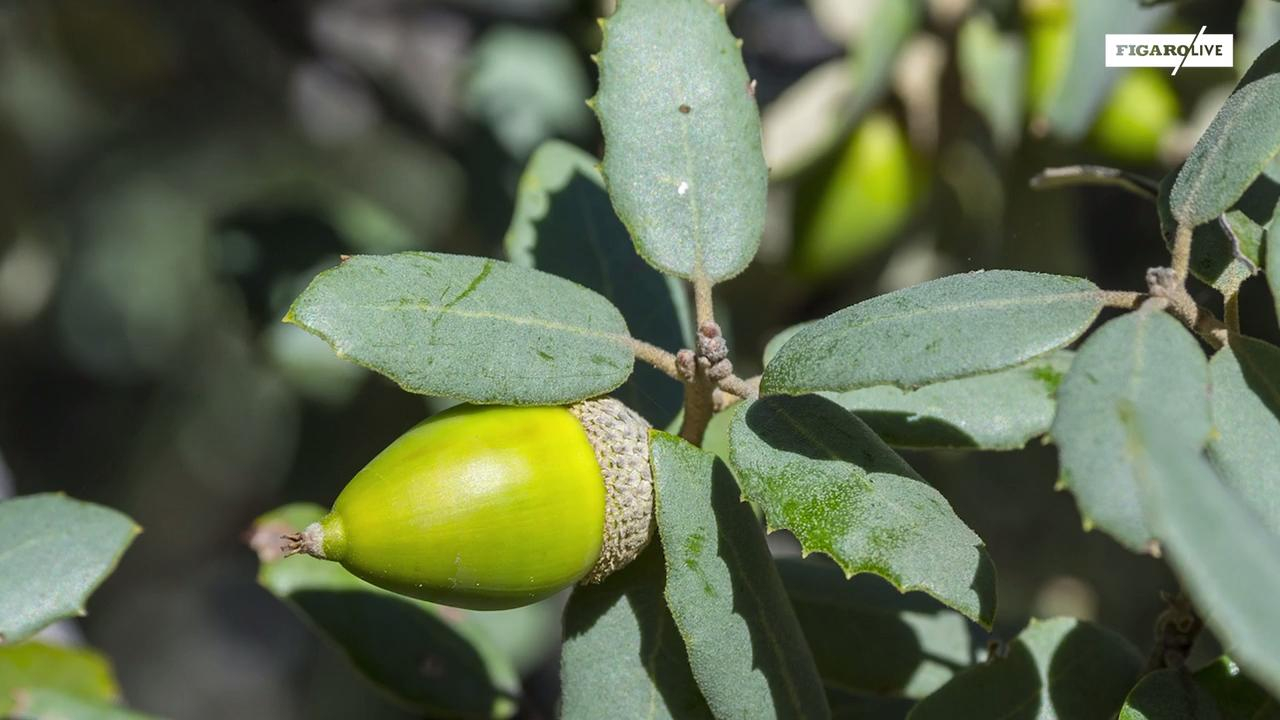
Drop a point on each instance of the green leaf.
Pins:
(820, 472)
(992, 66)
(1002, 410)
(57, 551)
(744, 642)
(1226, 558)
(1273, 258)
(49, 704)
(1145, 364)
(1245, 449)
(420, 654)
(852, 706)
(527, 85)
(995, 411)
(1238, 697)
(1057, 669)
(854, 204)
(1216, 257)
(868, 638)
(470, 328)
(1235, 149)
(1166, 694)
(1257, 28)
(682, 137)
(623, 656)
(83, 673)
(563, 224)
(1074, 100)
(953, 327)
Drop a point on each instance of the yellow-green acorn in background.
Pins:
(490, 507)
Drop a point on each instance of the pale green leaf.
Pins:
(426, 657)
(953, 327)
(1074, 100)
(873, 55)
(623, 656)
(1057, 669)
(994, 411)
(1235, 149)
(1227, 559)
(470, 328)
(1144, 363)
(817, 470)
(854, 204)
(867, 637)
(51, 704)
(526, 85)
(682, 159)
(1002, 410)
(54, 551)
(563, 224)
(1168, 694)
(992, 66)
(1245, 447)
(807, 120)
(1258, 27)
(80, 672)
(745, 645)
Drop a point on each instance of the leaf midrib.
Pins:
(989, 304)
(620, 339)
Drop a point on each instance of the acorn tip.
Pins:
(309, 541)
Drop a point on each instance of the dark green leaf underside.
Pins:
(745, 645)
(1167, 694)
(623, 656)
(918, 644)
(406, 647)
(1062, 668)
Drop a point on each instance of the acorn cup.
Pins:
(494, 507)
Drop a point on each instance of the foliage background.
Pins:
(173, 173)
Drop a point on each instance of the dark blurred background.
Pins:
(173, 173)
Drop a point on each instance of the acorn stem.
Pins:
(309, 541)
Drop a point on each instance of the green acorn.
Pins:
(490, 507)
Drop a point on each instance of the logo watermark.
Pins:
(1200, 50)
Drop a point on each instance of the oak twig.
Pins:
(1231, 312)
(657, 357)
(703, 305)
(1182, 253)
(1169, 293)
(1123, 299)
(1073, 175)
(1176, 630)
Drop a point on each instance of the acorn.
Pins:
(494, 507)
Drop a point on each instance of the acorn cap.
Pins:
(620, 438)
